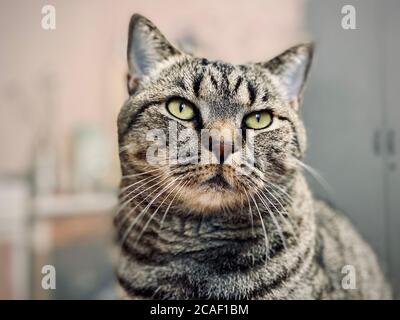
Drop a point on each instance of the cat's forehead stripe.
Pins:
(197, 83)
(214, 82)
(265, 97)
(180, 83)
(252, 92)
(237, 85)
(219, 78)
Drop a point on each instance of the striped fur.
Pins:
(264, 236)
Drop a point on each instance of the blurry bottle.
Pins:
(45, 170)
(90, 158)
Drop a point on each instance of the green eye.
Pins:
(258, 119)
(180, 109)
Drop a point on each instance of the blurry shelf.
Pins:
(74, 204)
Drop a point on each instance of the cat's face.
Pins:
(211, 133)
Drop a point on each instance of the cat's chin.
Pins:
(210, 199)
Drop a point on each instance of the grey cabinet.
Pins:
(352, 112)
(390, 24)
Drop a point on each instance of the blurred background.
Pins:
(61, 90)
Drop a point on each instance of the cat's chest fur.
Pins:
(218, 261)
(207, 258)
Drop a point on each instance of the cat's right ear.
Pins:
(291, 68)
(147, 47)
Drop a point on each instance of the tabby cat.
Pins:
(193, 230)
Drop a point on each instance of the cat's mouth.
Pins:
(217, 181)
(215, 189)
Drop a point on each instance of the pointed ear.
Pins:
(292, 67)
(146, 48)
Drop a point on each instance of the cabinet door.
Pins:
(343, 112)
(390, 19)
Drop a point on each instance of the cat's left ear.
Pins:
(147, 47)
(292, 68)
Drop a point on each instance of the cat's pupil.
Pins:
(181, 107)
(258, 116)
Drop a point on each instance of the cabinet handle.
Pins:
(376, 142)
(391, 142)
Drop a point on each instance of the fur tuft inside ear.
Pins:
(147, 47)
(292, 68)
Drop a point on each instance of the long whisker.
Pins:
(283, 214)
(278, 227)
(140, 174)
(316, 175)
(261, 176)
(288, 219)
(155, 212)
(250, 212)
(143, 200)
(129, 193)
(126, 196)
(279, 188)
(144, 211)
(137, 182)
(279, 212)
(264, 230)
(170, 204)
